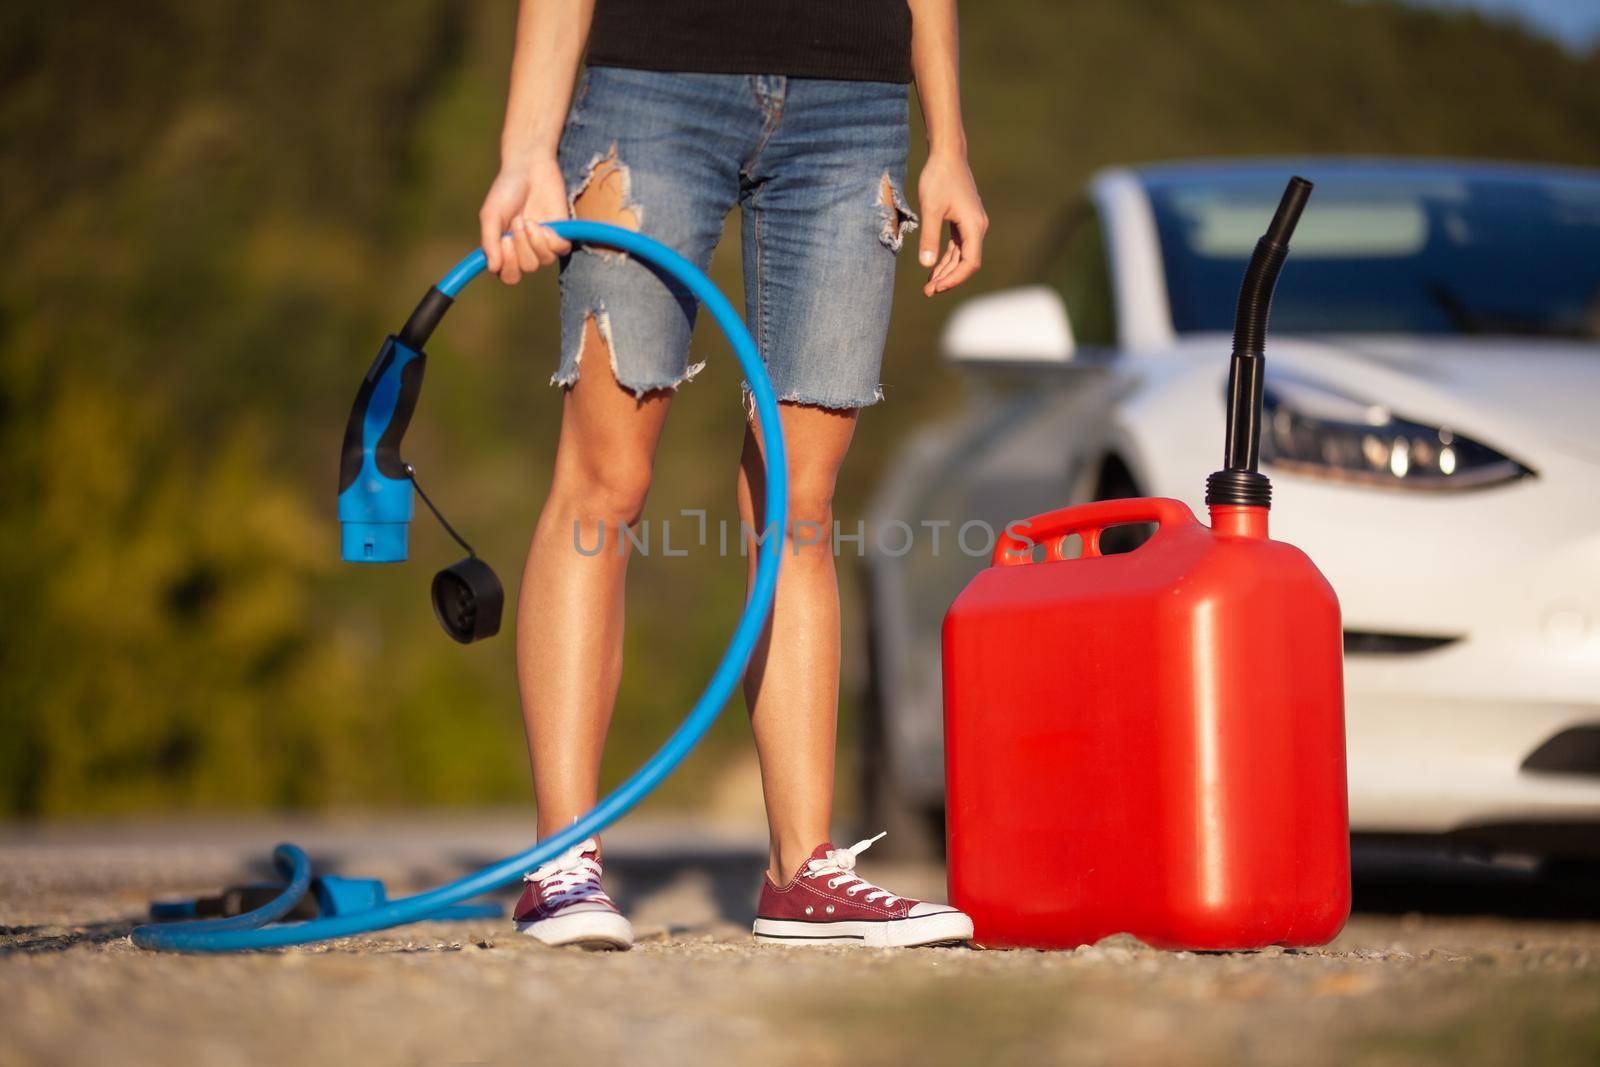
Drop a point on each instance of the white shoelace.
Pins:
(570, 876)
(841, 864)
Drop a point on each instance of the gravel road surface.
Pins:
(1430, 985)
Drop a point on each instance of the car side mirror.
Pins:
(1028, 324)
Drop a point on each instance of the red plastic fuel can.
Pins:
(1149, 742)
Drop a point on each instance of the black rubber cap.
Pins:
(468, 599)
(1247, 488)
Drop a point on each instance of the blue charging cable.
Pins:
(250, 930)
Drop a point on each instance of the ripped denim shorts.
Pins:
(817, 169)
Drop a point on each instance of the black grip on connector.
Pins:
(425, 319)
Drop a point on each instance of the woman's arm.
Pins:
(529, 188)
(946, 191)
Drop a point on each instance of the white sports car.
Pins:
(1431, 428)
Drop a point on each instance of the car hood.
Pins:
(1511, 392)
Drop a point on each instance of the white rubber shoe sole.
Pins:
(940, 928)
(598, 929)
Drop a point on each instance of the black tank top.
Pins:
(854, 40)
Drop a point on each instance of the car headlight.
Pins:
(1312, 430)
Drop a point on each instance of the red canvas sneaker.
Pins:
(565, 905)
(826, 903)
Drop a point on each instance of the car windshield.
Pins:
(1497, 254)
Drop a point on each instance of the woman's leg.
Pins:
(823, 220)
(569, 612)
(657, 152)
(792, 684)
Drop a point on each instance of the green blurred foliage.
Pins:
(212, 213)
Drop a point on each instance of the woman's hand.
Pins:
(947, 193)
(521, 198)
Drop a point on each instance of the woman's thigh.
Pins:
(824, 218)
(659, 153)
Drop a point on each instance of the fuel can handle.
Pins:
(1014, 547)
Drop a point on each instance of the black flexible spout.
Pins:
(1239, 482)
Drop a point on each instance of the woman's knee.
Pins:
(610, 491)
(810, 508)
